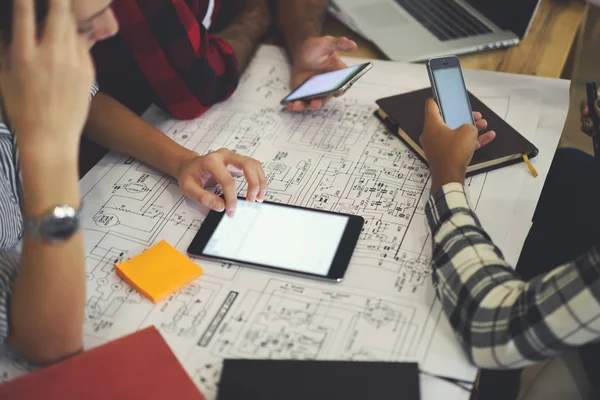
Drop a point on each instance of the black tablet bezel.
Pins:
(337, 269)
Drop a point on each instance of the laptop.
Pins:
(417, 30)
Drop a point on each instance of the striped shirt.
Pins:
(11, 223)
(503, 321)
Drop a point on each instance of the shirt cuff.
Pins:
(448, 201)
(9, 265)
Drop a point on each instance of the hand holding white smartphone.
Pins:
(328, 84)
(450, 92)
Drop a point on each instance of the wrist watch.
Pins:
(56, 226)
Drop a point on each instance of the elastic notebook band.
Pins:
(530, 166)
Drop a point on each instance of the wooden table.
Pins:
(545, 51)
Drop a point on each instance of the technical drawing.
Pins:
(339, 159)
(207, 375)
(183, 313)
(293, 321)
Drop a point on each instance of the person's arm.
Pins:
(246, 31)
(188, 68)
(45, 83)
(502, 321)
(299, 20)
(48, 296)
(301, 24)
(112, 125)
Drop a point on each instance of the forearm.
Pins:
(246, 31)
(503, 321)
(299, 20)
(48, 297)
(112, 125)
(472, 280)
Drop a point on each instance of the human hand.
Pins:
(316, 56)
(195, 173)
(448, 151)
(587, 125)
(45, 81)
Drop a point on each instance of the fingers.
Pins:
(485, 139)
(224, 178)
(60, 24)
(253, 172)
(583, 106)
(313, 105)
(481, 124)
(251, 175)
(587, 126)
(23, 34)
(216, 165)
(262, 180)
(339, 44)
(432, 113)
(326, 100)
(477, 116)
(297, 106)
(195, 191)
(597, 106)
(316, 104)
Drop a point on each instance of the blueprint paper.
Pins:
(340, 159)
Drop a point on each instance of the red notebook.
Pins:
(138, 366)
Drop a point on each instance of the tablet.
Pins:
(280, 237)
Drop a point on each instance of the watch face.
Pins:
(62, 226)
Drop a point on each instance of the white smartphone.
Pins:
(449, 91)
(328, 84)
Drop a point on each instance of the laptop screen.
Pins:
(513, 15)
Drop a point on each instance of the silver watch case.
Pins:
(57, 226)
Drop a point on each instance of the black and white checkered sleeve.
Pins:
(502, 321)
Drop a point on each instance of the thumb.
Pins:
(432, 114)
(340, 44)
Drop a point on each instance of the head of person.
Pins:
(95, 19)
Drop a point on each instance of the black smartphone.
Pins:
(592, 96)
(450, 91)
(328, 84)
(281, 237)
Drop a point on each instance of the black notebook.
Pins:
(318, 380)
(404, 115)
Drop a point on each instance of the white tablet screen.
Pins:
(282, 237)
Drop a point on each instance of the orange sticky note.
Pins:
(159, 271)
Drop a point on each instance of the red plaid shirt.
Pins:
(165, 54)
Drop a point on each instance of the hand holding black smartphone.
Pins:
(328, 84)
